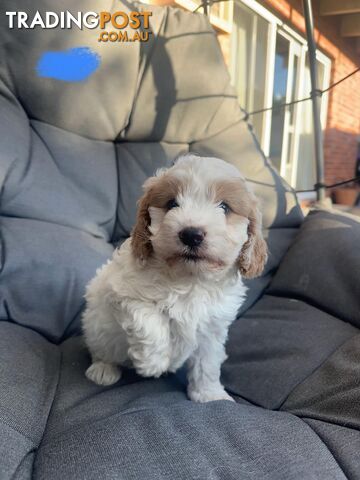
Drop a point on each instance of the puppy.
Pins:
(171, 291)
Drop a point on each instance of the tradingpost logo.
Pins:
(79, 63)
(112, 25)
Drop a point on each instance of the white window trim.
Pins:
(276, 25)
(298, 113)
(269, 83)
(218, 22)
(262, 11)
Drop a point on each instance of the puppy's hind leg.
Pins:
(103, 373)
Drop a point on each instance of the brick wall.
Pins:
(343, 121)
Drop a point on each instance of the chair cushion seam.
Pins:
(26, 437)
(320, 419)
(295, 296)
(313, 371)
(50, 411)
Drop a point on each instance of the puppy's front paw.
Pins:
(103, 373)
(150, 370)
(148, 364)
(208, 395)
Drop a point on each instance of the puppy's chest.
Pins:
(184, 324)
(197, 313)
(188, 314)
(197, 307)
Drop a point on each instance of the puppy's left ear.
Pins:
(254, 253)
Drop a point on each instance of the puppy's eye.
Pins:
(225, 207)
(171, 204)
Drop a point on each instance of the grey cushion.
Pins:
(149, 429)
(322, 266)
(276, 345)
(73, 106)
(63, 426)
(45, 269)
(343, 443)
(331, 393)
(29, 371)
(73, 159)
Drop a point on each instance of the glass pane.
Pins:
(250, 38)
(279, 97)
(320, 73)
(306, 172)
(242, 28)
(258, 80)
(292, 108)
(289, 155)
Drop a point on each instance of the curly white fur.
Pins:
(159, 303)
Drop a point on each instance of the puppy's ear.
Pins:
(253, 256)
(140, 235)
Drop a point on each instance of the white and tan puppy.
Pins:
(173, 288)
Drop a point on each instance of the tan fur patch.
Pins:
(158, 191)
(162, 190)
(254, 253)
(242, 202)
(236, 195)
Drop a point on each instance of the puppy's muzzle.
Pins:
(192, 237)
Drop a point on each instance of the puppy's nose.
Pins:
(191, 236)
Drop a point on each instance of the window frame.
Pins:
(297, 42)
(221, 22)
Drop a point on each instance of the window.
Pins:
(250, 33)
(269, 68)
(220, 13)
(280, 96)
(306, 175)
